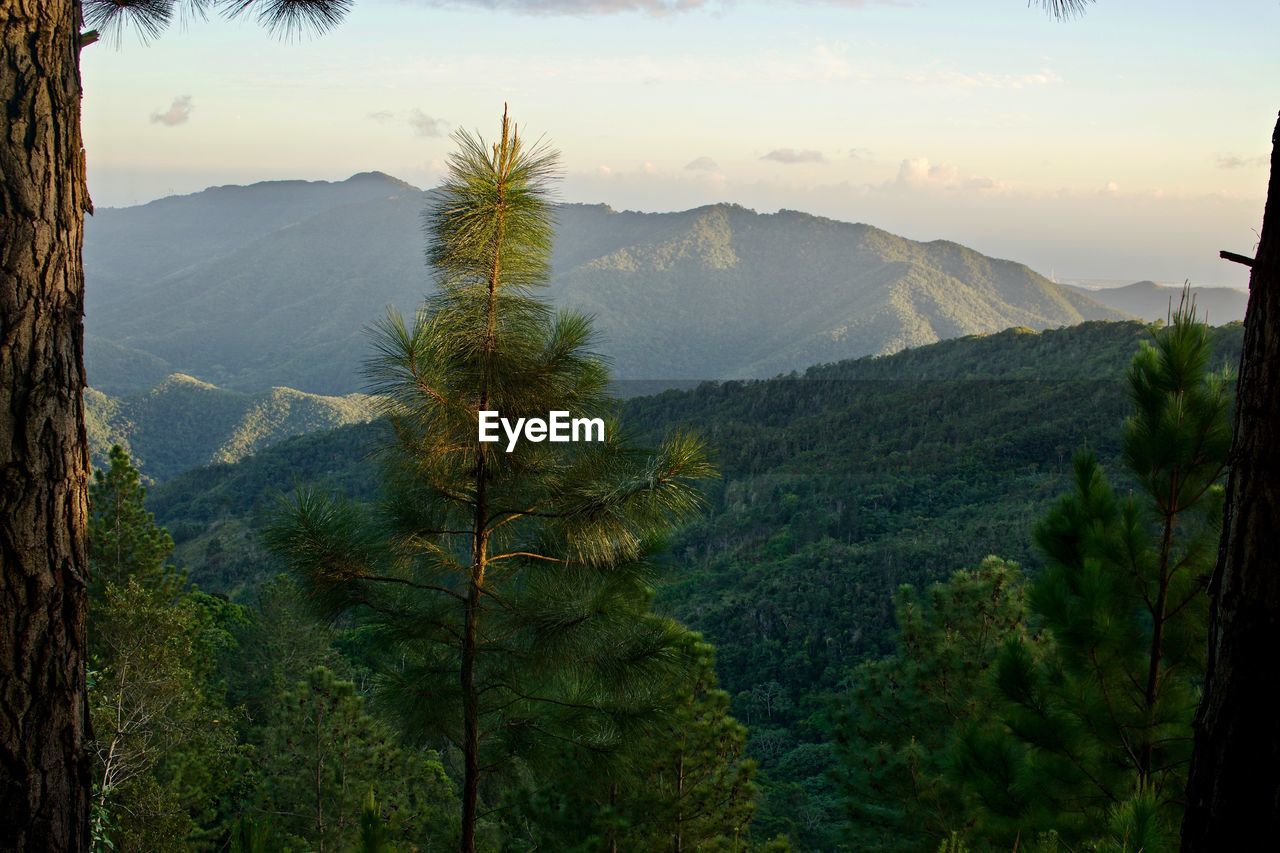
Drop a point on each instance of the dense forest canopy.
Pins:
(837, 486)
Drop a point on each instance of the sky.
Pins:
(1128, 143)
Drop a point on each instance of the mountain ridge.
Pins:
(272, 284)
(184, 422)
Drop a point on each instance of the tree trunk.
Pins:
(470, 718)
(44, 765)
(1233, 790)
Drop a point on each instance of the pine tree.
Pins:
(1233, 793)
(509, 590)
(903, 713)
(163, 736)
(1096, 732)
(124, 540)
(686, 787)
(322, 755)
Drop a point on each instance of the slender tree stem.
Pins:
(480, 530)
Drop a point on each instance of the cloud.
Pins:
(178, 113)
(424, 125)
(382, 116)
(702, 164)
(859, 153)
(1231, 161)
(792, 156)
(918, 173)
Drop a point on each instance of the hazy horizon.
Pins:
(1064, 145)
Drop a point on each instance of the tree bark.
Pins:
(1233, 789)
(44, 765)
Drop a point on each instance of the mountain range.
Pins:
(1150, 301)
(272, 284)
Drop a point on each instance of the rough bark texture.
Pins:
(1233, 792)
(44, 767)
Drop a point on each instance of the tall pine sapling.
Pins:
(124, 540)
(508, 592)
(1096, 734)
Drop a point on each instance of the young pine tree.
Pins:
(124, 540)
(1096, 732)
(508, 592)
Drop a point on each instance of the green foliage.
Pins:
(1094, 735)
(322, 755)
(687, 786)
(836, 489)
(163, 736)
(279, 643)
(251, 836)
(503, 596)
(903, 713)
(164, 741)
(181, 422)
(373, 834)
(124, 540)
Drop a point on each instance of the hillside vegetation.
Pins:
(837, 487)
(183, 423)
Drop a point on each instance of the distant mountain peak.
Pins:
(380, 177)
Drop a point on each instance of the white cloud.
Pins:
(426, 126)
(794, 156)
(178, 113)
(702, 164)
(1231, 161)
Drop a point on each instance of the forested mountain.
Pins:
(272, 285)
(1151, 301)
(837, 487)
(182, 422)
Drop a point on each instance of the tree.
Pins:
(323, 757)
(688, 786)
(278, 646)
(44, 796)
(1233, 789)
(904, 713)
(1096, 730)
(164, 737)
(164, 740)
(695, 791)
(509, 586)
(124, 540)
